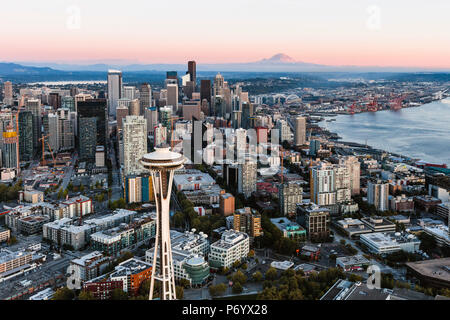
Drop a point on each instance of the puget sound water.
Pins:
(418, 132)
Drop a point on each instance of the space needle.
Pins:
(161, 164)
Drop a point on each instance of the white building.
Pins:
(233, 246)
(388, 242)
(114, 90)
(134, 144)
(247, 177)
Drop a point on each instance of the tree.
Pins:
(271, 274)
(64, 293)
(218, 290)
(179, 291)
(236, 264)
(237, 288)
(238, 276)
(257, 276)
(119, 294)
(251, 254)
(184, 283)
(86, 295)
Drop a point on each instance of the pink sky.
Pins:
(408, 33)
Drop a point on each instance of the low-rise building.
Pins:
(351, 263)
(353, 228)
(63, 232)
(401, 203)
(388, 242)
(13, 261)
(5, 234)
(434, 273)
(31, 224)
(378, 224)
(233, 246)
(132, 273)
(289, 229)
(248, 220)
(316, 220)
(89, 266)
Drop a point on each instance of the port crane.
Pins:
(42, 139)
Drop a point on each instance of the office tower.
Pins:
(135, 108)
(192, 69)
(121, 113)
(247, 177)
(300, 131)
(145, 97)
(92, 109)
(285, 131)
(314, 147)
(189, 89)
(123, 102)
(161, 164)
(51, 131)
(114, 90)
(134, 144)
(165, 114)
(377, 194)
(73, 91)
(191, 109)
(151, 115)
(322, 184)
(66, 138)
(290, 194)
(54, 99)
(10, 148)
(247, 114)
(237, 119)
(218, 85)
(68, 102)
(354, 170)
(129, 92)
(172, 96)
(87, 138)
(34, 106)
(96, 108)
(247, 220)
(159, 135)
(8, 98)
(25, 136)
(205, 91)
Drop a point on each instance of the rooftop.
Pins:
(436, 268)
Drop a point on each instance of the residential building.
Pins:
(290, 194)
(377, 194)
(232, 247)
(248, 220)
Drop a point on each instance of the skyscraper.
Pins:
(172, 96)
(129, 92)
(162, 163)
(354, 171)
(135, 108)
(25, 135)
(322, 184)
(290, 194)
(205, 90)
(114, 90)
(134, 143)
(8, 99)
(300, 131)
(145, 97)
(34, 106)
(94, 109)
(10, 148)
(377, 194)
(151, 114)
(247, 177)
(192, 69)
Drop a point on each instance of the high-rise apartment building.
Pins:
(25, 135)
(377, 194)
(134, 143)
(34, 106)
(290, 194)
(247, 220)
(322, 184)
(354, 170)
(95, 110)
(151, 115)
(247, 177)
(300, 131)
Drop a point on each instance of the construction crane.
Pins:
(43, 150)
(171, 130)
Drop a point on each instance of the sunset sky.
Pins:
(410, 33)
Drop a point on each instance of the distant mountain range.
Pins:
(279, 63)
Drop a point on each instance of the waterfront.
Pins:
(418, 132)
